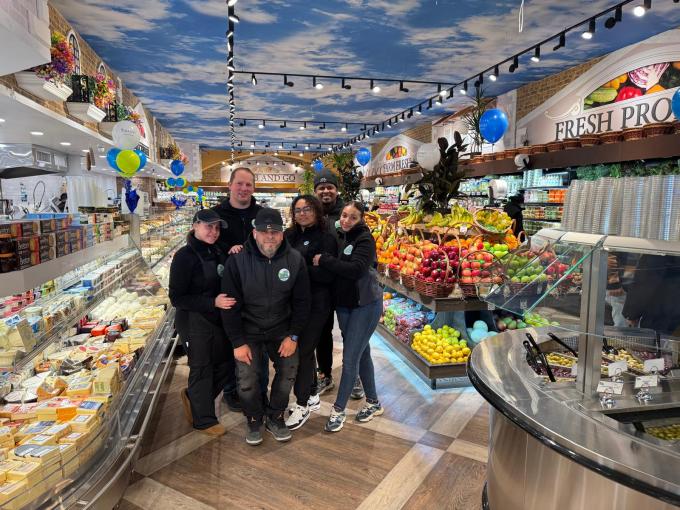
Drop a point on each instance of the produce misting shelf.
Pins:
(436, 305)
(430, 372)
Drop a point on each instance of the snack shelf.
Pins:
(428, 371)
(436, 305)
(16, 282)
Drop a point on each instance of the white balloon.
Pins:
(428, 155)
(126, 135)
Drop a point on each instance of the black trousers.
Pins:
(211, 365)
(324, 349)
(249, 377)
(305, 382)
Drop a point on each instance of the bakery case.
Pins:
(585, 412)
(85, 344)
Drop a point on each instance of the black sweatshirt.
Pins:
(272, 295)
(239, 223)
(356, 255)
(312, 241)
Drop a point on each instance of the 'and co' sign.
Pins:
(629, 88)
(274, 178)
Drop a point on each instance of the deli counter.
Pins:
(585, 412)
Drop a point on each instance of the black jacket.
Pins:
(272, 296)
(333, 215)
(310, 242)
(239, 227)
(515, 211)
(354, 268)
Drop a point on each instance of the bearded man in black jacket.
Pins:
(270, 285)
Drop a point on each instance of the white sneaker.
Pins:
(298, 416)
(314, 403)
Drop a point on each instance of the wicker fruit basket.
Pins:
(656, 129)
(489, 157)
(539, 149)
(613, 137)
(526, 150)
(555, 146)
(433, 289)
(589, 140)
(510, 153)
(408, 281)
(394, 274)
(571, 143)
(633, 134)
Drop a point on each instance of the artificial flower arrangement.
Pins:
(62, 62)
(135, 117)
(104, 92)
(183, 158)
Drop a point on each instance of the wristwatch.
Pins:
(294, 338)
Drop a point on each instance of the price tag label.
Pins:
(646, 380)
(463, 229)
(616, 368)
(574, 369)
(654, 365)
(615, 387)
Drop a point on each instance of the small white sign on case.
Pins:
(616, 368)
(654, 365)
(615, 387)
(646, 380)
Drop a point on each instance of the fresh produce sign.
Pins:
(396, 152)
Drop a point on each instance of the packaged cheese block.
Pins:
(31, 472)
(77, 439)
(45, 392)
(59, 430)
(19, 412)
(14, 495)
(32, 429)
(90, 407)
(107, 381)
(79, 389)
(58, 408)
(42, 440)
(6, 466)
(45, 455)
(69, 458)
(84, 423)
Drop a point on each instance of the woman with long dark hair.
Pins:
(195, 282)
(358, 303)
(308, 235)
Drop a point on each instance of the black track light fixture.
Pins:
(419, 111)
(464, 88)
(374, 88)
(515, 64)
(402, 88)
(253, 79)
(317, 85)
(345, 85)
(494, 75)
(429, 104)
(615, 18)
(641, 10)
(233, 17)
(588, 34)
(322, 126)
(242, 123)
(562, 42)
(536, 57)
(283, 125)
(344, 128)
(286, 82)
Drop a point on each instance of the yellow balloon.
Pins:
(128, 162)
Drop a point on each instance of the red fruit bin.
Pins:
(394, 274)
(441, 268)
(408, 281)
(478, 271)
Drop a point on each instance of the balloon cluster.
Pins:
(173, 182)
(124, 158)
(178, 202)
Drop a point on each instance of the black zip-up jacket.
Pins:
(272, 295)
(239, 227)
(333, 215)
(190, 290)
(354, 285)
(309, 242)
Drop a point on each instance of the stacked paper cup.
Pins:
(601, 204)
(568, 208)
(669, 209)
(584, 214)
(651, 208)
(631, 211)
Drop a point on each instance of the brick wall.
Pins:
(421, 132)
(532, 95)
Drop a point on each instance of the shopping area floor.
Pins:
(429, 450)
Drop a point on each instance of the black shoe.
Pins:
(253, 431)
(233, 401)
(278, 428)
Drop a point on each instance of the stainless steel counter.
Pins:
(551, 447)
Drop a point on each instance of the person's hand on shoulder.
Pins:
(235, 249)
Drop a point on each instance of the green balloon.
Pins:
(128, 162)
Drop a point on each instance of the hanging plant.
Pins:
(62, 62)
(104, 91)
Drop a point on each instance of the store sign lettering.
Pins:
(272, 178)
(396, 165)
(615, 119)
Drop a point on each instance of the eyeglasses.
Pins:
(306, 210)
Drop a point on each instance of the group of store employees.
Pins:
(247, 292)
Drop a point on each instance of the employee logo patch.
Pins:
(284, 274)
(348, 249)
(337, 223)
(306, 243)
(220, 270)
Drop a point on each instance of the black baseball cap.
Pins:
(268, 219)
(209, 216)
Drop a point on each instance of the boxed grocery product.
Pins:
(69, 459)
(84, 423)
(27, 259)
(107, 381)
(19, 412)
(30, 472)
(42, 440)
(48, 240)
(90, 407)
(29, 243)
(14, 495)
(47, 226)
(58, 408)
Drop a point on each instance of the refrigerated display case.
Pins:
(586, 410)
(83, 357)
(163, 233)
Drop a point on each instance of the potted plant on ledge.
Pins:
(47, 81)
(89, 95)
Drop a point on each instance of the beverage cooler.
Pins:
(585, 412)
(85, 345)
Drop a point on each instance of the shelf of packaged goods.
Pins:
(436, 305)
(428, 371)
(545, 187)
(545, 204)
(543, 219)
(17, 282)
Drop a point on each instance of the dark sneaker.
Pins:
(325, 384)
(253, 431)
(278, 429)
(369, 411)
(314, 403)
(233, 401)
(335, 421)
(298, 416)
(358, 390)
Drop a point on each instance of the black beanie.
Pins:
(325, 176)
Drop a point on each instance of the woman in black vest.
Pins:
(308, 235)
(195, 280)
(358, 303)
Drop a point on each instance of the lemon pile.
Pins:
(440, 346)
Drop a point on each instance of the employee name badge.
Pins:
(615, 387)
(284, 274)
(348, 249)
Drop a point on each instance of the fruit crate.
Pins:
(433, 289)
(408, 281)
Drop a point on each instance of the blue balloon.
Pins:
(318, 165)
(142, 159)
(493, 125)
(180, 182)
(170, 181)
(675, 104)
(363, 156)
(177, 167)
(111, 158)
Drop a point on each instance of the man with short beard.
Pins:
(270, 284)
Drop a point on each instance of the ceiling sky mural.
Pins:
(172, 54)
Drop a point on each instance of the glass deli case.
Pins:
(82, 356)
(585, 410)
(163, 233)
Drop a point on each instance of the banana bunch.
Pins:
(494, 220)
(412, 218)
(372, 219)
(438, 220)
(459, 215)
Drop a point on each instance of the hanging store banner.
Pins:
(268, 170)
(395, 157)
(629, 88)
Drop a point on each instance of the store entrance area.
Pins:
(429, 450)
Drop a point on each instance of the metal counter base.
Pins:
(525, 474)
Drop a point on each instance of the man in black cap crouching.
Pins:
(269, 281)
